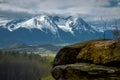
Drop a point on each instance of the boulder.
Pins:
(68, 54)
(90, 60)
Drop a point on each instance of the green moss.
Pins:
(100, 52)
(48, 78)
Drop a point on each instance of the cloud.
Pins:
(88, 9)
(15, 15)
(113, 3)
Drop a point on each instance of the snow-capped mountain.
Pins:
(67, 24)
(47, 29)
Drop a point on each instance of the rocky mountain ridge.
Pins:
(49, 29)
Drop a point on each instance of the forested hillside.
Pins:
(23, 66)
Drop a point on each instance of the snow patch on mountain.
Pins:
(42, 18)
(66, 28)
(3, 21)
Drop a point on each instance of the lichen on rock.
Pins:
(100, 52)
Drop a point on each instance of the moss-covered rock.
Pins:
(100, 52)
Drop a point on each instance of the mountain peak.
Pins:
(47, 23)
(47, 29)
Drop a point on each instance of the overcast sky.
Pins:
(89, 9)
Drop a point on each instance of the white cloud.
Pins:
(119, 4)
(90, 9)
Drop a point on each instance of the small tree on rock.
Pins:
(104, 27)
(116, 33)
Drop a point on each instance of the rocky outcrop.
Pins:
(89, 60)
(85, 71)
(68, 54)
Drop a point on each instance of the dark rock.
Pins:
(66, 55)
(85, 71)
